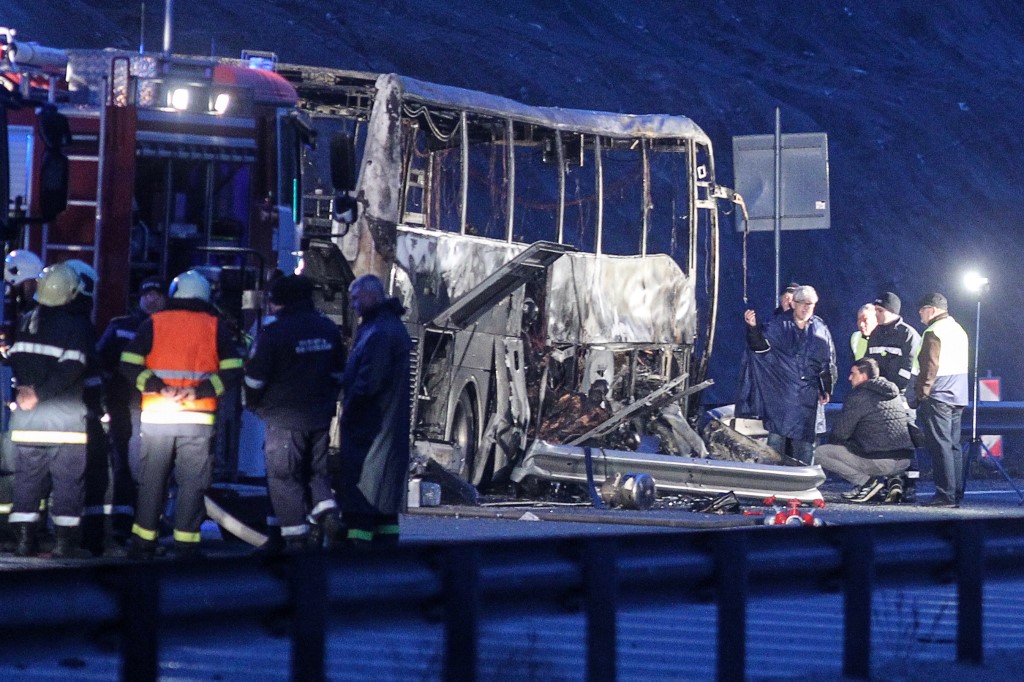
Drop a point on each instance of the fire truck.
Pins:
(549, 259)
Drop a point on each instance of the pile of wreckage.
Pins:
(586, 447)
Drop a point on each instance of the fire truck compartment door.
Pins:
(501, 283)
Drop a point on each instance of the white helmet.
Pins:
(87, 277)
(58, 284)
(190, 284)
(20, 265)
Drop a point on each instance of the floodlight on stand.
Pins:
(974, 449)
(179, 99)
(975, 282)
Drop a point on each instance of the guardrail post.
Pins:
(140, 606)
(307, 577)
(461, 585)
(601, 584)
(858, 582)
(969, 577)
(732, 585)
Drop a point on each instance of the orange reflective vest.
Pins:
(184, 354)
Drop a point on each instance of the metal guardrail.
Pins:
(463, 583)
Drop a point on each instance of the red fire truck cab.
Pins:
(171, 163)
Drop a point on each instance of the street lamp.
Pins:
(978, 285)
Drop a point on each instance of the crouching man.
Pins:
(870, 445)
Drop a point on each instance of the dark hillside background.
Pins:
(922, 103)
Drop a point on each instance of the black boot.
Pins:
(69, 544)
(331, 529)
(142, 550)
(27, 544)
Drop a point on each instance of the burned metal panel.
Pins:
(442, 267)
(567, 464)
(530, 264)
(607, 299)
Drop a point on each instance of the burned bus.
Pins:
(548, 260)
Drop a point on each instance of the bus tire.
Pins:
(465, 433)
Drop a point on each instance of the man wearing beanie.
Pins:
(940, 394)
(894, 343)
(292, 382)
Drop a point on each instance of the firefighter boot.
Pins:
(69, 544)
(26, 535)
(141, 549)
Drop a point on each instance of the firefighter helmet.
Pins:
(191, 284)
(58, 284)
(86, 276)
(20, 265)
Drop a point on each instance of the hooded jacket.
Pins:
(784, 371)
(873, 422)
(375, 413)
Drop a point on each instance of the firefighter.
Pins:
(292, 382)
(181, 360)
(48, 426)
(124, 403)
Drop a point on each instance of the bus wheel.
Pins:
(465, 434)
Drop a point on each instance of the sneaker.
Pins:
(894, 490)
(869, 491)
(858, 490)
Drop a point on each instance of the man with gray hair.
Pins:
(788, 373)
(375, 417)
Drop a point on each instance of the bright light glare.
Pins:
(221, 102)
(179, 98)
(975, 282)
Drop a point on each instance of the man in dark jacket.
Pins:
(894, 343)
(375, 417)
(49, 361)
(871, 436)
(788, 374)
(292, 382)
(123, 402)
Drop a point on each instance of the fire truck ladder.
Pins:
(85, 163)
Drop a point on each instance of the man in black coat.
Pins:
(870, 439)
(894, 343)
(123, 401)
(292, 382)
(375, 417)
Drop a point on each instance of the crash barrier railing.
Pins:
(457, 584)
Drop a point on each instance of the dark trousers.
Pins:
(190, 459)
(36, 467)
(125, 444)
(297, 478)
(940, 426)
(801, 450)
